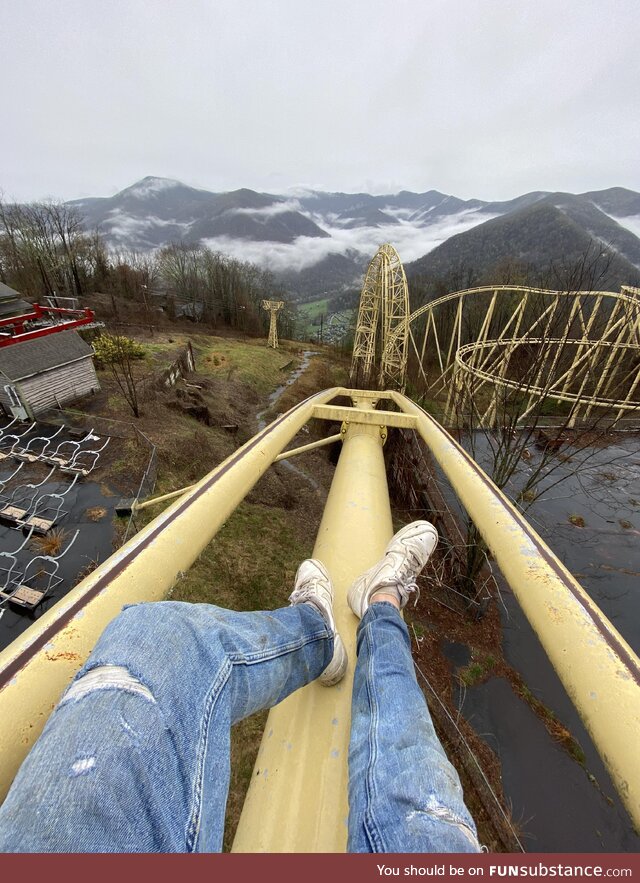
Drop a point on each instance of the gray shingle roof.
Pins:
(20, 360)
(11, 304)
(6, 292)
(14, 307)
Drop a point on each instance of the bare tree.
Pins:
(43, 248)
(65, 227)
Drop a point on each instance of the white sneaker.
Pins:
(396, 573)
(313, 585)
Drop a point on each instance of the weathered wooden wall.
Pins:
(184, 364)
(57, 386)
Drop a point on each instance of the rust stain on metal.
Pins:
(67, 655)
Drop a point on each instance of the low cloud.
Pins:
(630, 222)
(268, 211)
(410, 240)
(128, 228)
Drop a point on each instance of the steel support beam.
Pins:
(384, 294)
(337, 413)
(163, 498)
(272, 307)
(301, 804)
(550, 326)
(321, 443)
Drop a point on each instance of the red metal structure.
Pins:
(41, 321)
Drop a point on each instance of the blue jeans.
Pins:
(135, 758)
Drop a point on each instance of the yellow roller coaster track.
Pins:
(301, 804)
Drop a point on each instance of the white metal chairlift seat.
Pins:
(59, 459)
(47, 511)
(17, 506)
(6, 572)
(5, 451)
(27, 453)
(85, 462)
(38, 581)
(3, 429)
(5, 481)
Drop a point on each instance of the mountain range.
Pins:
(318, 243)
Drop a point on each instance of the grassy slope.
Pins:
(252, 561)
(240, 373)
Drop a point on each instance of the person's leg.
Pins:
(136, 755)
(404, 795)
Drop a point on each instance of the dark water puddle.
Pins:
(458, 654)
(604, 555)
(554, 803)
(94, 543)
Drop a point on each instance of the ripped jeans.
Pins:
(135, 758)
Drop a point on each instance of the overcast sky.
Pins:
(478, 98)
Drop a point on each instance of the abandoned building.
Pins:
(45, 372)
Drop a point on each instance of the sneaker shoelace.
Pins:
(405, 585)
(407, 589)
(404, 588)
(301, 594)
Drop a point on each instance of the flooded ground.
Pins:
(88, 508)
(558, 803)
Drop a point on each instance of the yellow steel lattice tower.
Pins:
(272, 306)
(384, 300)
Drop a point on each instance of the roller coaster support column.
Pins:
(297, 800)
